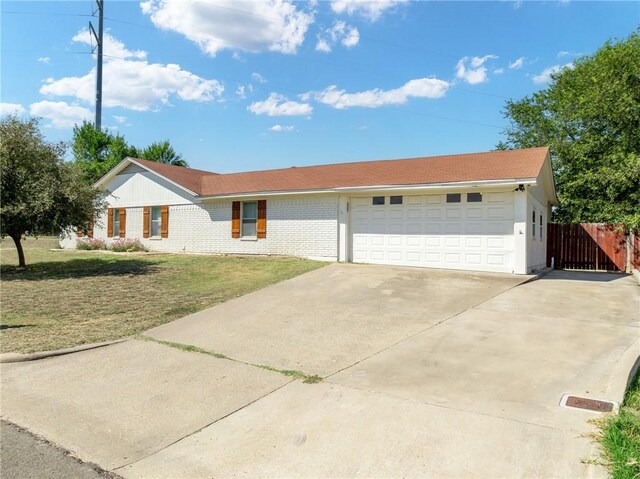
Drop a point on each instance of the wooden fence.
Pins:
(591, 246)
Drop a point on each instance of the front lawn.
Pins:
(68, 298)
(620, 437)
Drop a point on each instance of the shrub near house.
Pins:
(90, 244)
(127, 245)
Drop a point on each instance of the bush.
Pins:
(90, 244)
(127, 245)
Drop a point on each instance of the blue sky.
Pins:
(238, 85)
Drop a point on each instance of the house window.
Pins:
(474, 197)
(378, 200)
(155, 221)
(533, 223)
(540, 225)
(453, 198)
(395, 200)
(249, 218)
(116, 222)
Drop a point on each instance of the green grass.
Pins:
(620, 436)
(67, 298)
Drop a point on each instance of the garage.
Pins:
(471, 230)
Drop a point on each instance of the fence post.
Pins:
(630, 241)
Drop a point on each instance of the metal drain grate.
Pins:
(595, 405)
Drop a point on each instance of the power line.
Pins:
(57, 14)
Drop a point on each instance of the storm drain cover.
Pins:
(595, 405)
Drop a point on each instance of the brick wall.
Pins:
(305, 226)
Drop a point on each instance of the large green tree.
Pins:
(590, 117)
(96, 152)
(41, 193)
(163, 152)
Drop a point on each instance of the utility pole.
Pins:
(98, 38)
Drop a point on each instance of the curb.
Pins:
(624, 372)
(21, 358)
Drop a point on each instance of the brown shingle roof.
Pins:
(494, 165)
(189, 178)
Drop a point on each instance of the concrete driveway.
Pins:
(334, 317)
(426, 373)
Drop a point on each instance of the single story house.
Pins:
(481, 211)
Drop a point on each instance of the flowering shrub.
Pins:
(90, 244)
(127, 245)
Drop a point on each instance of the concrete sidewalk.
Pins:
(117, 404)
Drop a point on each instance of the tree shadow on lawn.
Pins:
(79, 268)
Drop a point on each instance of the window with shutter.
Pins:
(123, 222)
(262, 219)
(249, 218)
(155, 222)
(235, 219)
(116, 223)
(164, 221)
(110, 216)
(145, 221)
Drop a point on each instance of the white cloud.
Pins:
(282, 129)
(240, 91)
(11, 109)
(473, 69)
(515, 65)
(60, 113)
(418, 88)
(372, 10)
(338, 32)
(278, 105)
(134, 83)
(258, 78)
(215, 25)
(565, 53)
(498, 71)
(44, 60)
(120, 119)
(112, 46)
(323, 46)
(545, 75)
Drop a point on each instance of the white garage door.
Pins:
(471, 231)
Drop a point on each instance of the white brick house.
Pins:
(483, 212)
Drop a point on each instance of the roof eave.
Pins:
(374, 188)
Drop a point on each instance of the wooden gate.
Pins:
(587, 246)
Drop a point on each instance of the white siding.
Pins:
(536, 244)
(142, 188)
